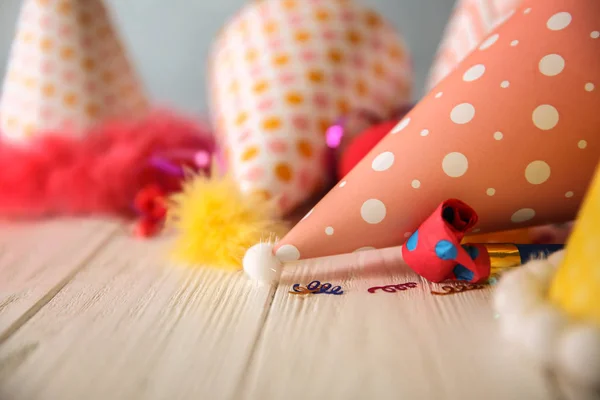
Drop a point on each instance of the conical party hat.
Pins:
(513, 132)
(67, 71)
(576, 285)
(470, 23)
(550, 308)
(283, 71)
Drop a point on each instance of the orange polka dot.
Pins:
(294, 98)
(249, 154)
(379, 70)
(70, 99)
(92, 110)
(108, 77)
(270, 27)
(234, 87)
(48, 90)
(64, 8)
(29, 130)
(396, 52)
(88, 64)
(283, 172)
(324, 124)
(302, 36)
(343, 106)
(336, 55)
(289, 4)
(322, 15)
(13, 76)
(85, 18)
(103, 32)
(126, 90)
(28, 37)
(12, 122)
(260, 87)
(281, 59)
(271, 124)
(264, 194)
(251, 55)
(67, 53)
(316, 76)
(243, 27)
(46, 44)
(361, 88)
(241, 118)
(30, 82)
(353, 37)
(304, 148)
(373, 19)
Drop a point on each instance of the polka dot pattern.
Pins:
(520, 155)
(284, 71)
(58, 76)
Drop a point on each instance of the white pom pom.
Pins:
(579, 355)
(556, 258)
(542, 270)
(261, 264)
(517, 292)
(511, 328)
(541, 331)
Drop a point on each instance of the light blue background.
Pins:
(169, 40)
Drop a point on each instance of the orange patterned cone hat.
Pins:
(67, 71)
(283, 71)
(551, 308)
(513, 132)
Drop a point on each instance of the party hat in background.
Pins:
(68, 71)
(77, 135)
(283, 71)
(551, 307)
(513, 132)
(470, 23)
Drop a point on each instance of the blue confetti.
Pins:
(446, 250)
(462, 274)
(472, 251)
(411, 243)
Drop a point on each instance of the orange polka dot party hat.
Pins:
(282, 72)
(512, 131)
(550, 308)
(77, 131)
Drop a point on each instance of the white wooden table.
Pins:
(88, 312)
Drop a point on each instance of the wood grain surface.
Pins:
(87, 312)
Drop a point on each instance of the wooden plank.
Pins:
(131, 326)
(38, 259)
(404, 345)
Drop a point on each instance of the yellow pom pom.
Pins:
(217, 223)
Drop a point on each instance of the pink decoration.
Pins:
(55, 174)
(301, 122)
(278, 146)
(65, 31)
(265, 105)
(329, 35)
(287, 78)
(308, 56)
(321, 100)
(255, 173)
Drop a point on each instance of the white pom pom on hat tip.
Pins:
(530, 321)
(261, 264)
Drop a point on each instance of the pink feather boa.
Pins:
(98, 174)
